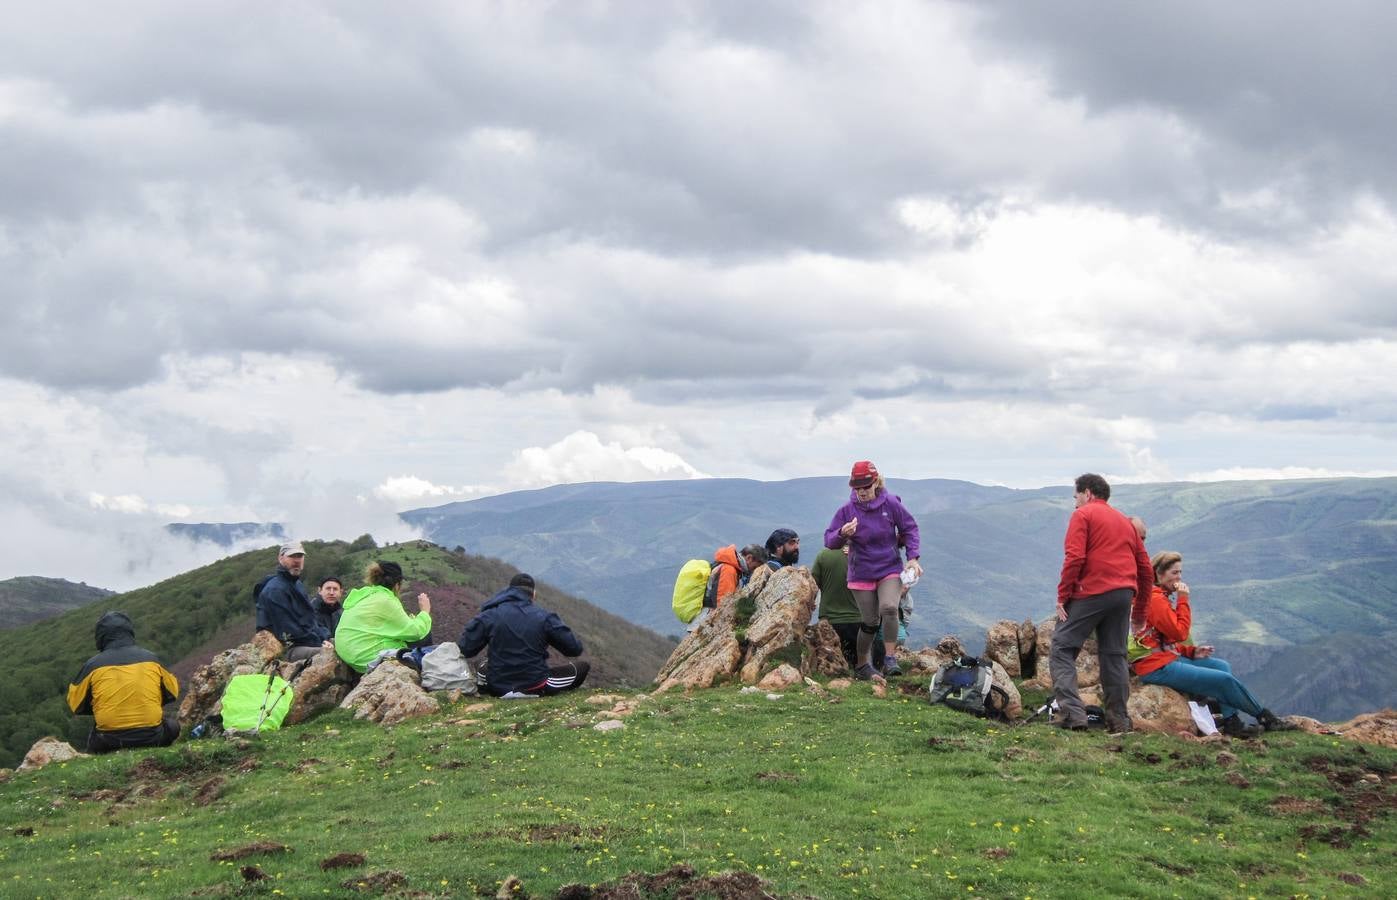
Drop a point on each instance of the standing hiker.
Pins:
(1104, 588)
(877, 528)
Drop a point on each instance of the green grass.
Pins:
(861, 798)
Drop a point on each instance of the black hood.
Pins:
(115, 630)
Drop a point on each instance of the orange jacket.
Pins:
(1166, 632)
(729, 570)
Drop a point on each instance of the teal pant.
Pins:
(1209, 677)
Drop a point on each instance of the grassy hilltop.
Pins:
(863, 797)
(189, 618)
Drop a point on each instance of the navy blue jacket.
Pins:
(518, 634)
(284, 609)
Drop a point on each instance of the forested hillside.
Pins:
(30, 598)
(188, 618)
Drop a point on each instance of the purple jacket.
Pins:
(873, 548)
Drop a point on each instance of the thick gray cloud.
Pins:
(474, 247)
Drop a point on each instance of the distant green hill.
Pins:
(31, 598)
(1273, 564)
(189, 618)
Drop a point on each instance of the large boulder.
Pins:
(761, 624)
(203, 695)
(1088, 666)
(48, 750)
(1159, 709)
(390, 694)
(823, 655)
(322, 684)
(1014, 708)
(1002, 646)
(1372, 728)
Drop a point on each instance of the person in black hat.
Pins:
(782, 548)
(518, 634)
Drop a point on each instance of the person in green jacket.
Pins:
(374, 619)
(837, 604)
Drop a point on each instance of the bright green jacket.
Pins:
(373, 621)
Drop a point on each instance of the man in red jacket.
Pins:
(1105, 587)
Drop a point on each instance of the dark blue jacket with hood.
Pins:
(518, 634)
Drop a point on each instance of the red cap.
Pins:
(863, 474)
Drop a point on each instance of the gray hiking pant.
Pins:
(1108, 615)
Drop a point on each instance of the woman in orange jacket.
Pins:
(1166, 657)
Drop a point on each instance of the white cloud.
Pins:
(581, 456)
(408, 490)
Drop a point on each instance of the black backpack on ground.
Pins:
(967, 684)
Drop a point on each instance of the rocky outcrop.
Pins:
(203, 695)
(1002, 646)
(321, 685)
(1372, 728)
(1028, 648)
(1014, 708)
(1159, 709)
(780, 678)
(741, 638)
(823, 655)
(1088, 668)
(390, 694)
(48, 750)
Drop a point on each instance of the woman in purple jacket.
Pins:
(875, 525)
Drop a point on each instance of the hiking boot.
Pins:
(1271, 722)
(1233, 726)
(866, 672)
(1116, 727)
(1069, 724)
(890, 667)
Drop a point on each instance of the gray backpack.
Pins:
(967, 684)
(445, 669)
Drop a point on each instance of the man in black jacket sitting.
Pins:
(519, 634)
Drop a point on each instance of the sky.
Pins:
(316, 263)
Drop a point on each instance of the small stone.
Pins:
(880, 689)
(774, 696)
(780, 678)
(48, 750)
(609, 725)
(838, 684)
(603, 699)
(1372, 778)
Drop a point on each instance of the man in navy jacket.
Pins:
(519, 634)
(284, 609)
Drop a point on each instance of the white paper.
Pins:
(1203, 718)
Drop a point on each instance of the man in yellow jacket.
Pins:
(124, 688)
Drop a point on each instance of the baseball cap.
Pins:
(863, 474)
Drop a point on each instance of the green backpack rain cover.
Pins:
(243, 701)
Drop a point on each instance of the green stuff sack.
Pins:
(243, 701)
(689, 587)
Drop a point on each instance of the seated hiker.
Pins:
(328, 603)
(518, 634)
(838, 606)
(753, 557)
(782, 548)
(284, 610)
(124, 688)
(1162, 654)
(374, 619)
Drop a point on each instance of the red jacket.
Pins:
(1166, 632)
(1103, 553)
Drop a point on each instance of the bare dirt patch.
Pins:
(341, 861)
(777, 776)
(210, 791)
(247, 850)
(679, 882)
(1295, 806)
(998, 853)
(377, 883)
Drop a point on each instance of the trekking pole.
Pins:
(1042, 709)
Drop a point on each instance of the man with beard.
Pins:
(284, 609)
(782, 549)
